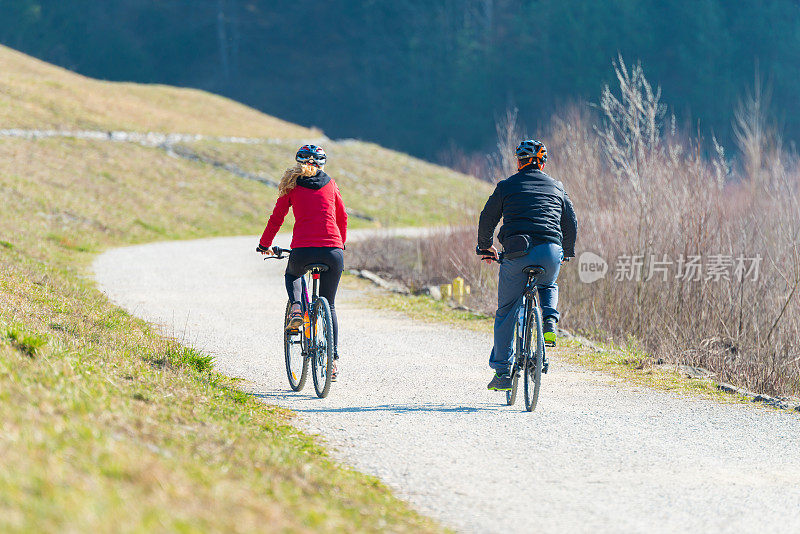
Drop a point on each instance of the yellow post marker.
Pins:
(458, 289)
(447, 290)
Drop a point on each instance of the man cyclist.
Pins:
(539, 228)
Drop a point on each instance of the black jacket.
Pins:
(530, 203)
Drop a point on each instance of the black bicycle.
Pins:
(528, 342)
(313, 340)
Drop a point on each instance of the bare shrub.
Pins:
(435, 259)
(503, 163)
(495, 166)
(649, 196)
(477, 165)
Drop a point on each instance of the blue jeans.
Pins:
(510, 289)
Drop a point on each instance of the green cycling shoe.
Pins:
(500, 383)
(549, 332)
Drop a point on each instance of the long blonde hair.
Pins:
(290, 176)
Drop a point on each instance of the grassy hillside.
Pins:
(39, 95)
(105, 423)
(388, 186)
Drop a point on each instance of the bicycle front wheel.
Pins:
(322, 347)
(296, 361)
(534, 341)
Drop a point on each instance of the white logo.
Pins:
(591, 267)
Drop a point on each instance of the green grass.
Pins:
(181, 356)
(632, 365)
(27, 344)
(107, 425)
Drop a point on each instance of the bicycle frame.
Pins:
(307, 305)
(530, 300)
(306, 301)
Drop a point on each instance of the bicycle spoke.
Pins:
(534, 344)
(296, 362)
(323, 346)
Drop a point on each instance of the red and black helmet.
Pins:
(311, 154)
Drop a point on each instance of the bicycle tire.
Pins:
(511, 396)
(533, 368)
(296, 361)
(322, 347)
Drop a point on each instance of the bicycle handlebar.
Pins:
(499, 259)
(278, 253)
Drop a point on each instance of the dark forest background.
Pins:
(424, 75)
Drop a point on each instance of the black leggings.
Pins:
(328, 281)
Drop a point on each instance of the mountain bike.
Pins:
(528, 342)
(313, 341)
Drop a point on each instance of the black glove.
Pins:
(262, 249)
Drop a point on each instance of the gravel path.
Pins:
(411, 407)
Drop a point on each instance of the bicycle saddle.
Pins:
(318, 267)
(535, 270)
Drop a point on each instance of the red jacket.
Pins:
(319, 215)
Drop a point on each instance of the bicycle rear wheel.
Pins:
(296, 361)
(511, 396)
(322, 347)
(534, 341)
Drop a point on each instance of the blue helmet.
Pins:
(311, 154)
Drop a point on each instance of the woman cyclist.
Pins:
(319, 235)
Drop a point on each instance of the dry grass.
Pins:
(36, 94)
(84, 196)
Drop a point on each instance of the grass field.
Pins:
(106, 425)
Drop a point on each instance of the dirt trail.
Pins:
(411, 407)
